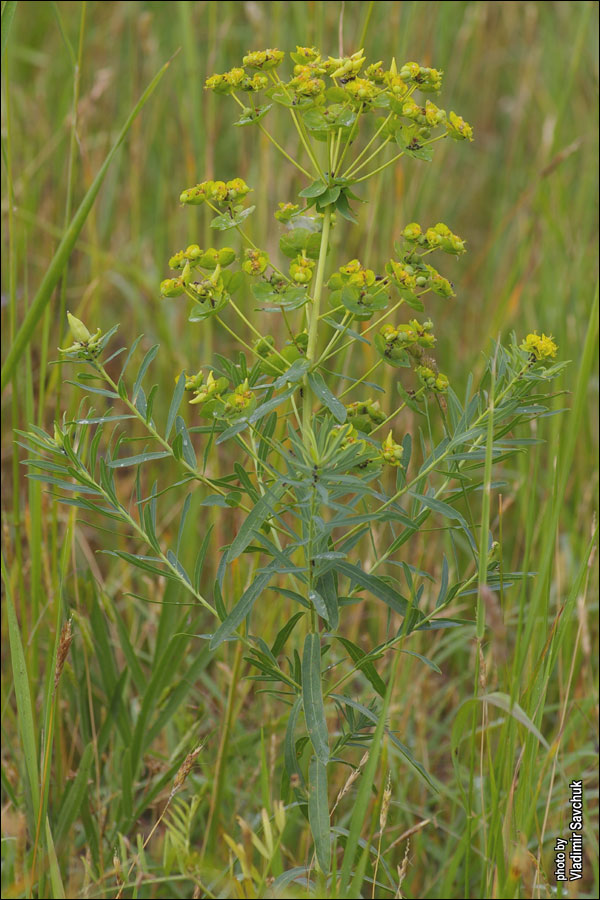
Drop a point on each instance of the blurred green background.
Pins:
(523, 196)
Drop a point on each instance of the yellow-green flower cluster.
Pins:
(206, 289)
(395, 84)
(305, 55)
(426, 79)
(391, 451)
(412, 273)
(215, 192)
(403, 336)
(437, 236)
(365, 415)
(428, 115)
(255, 262)
(345, 67)
(402, 275)
(458, 129)
(203, 391)
(362, 90)
(236, 79)
(437, 283)
(355, 273)
(306, 84)
(205, 259)
(376, 73)
(540, 347)
(172, 287)
(264, 59)
(240, 400)
(431, 380)
(301, 270)
(286, 212)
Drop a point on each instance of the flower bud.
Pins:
(227, 255)
(78, 329)
(186, 275)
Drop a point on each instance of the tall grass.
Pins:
(89, 764)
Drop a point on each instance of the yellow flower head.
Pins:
(540, 347)
(264, 59)
(458, 129)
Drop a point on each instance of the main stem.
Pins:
(313, 325)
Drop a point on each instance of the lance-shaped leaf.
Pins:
(242, 608)
(335, 406)
(259, 514)
(318, 812)
(312, 697)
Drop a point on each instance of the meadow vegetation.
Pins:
(329, 628)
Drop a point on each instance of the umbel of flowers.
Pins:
(330, 100)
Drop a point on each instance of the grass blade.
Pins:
(60, 258)
(8, 14)
(23, 696)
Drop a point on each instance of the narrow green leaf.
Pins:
(175, 404)
(375, 586)
(242, 608)
(142, 370)
(312, 697)
(125, 461)
(58, 889)
(318, 813)
(22, 695)
(253, 521)
(335, 406)
(127, 785)
(284, 633)
(74, 798)
(290, 757)
(187, 448)
(357, 656)
(8, 14)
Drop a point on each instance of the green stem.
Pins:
(314, 312)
